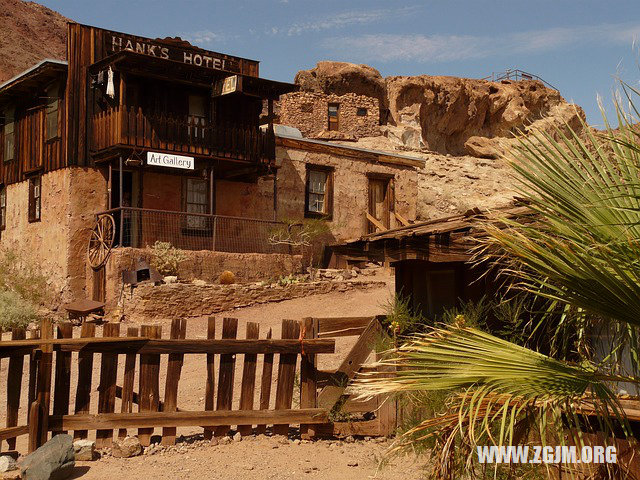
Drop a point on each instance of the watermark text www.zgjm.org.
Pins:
(546, 454)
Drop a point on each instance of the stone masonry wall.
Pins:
(308, 112)
(204, 265)
(182, 300)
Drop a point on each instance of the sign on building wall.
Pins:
(168, 160)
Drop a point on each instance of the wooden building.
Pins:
(134, 140)
(432, 259)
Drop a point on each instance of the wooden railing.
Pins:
(127, 126)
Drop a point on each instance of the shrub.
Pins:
(15, 311)
(24, 278)
(227, 278)
(166, 258)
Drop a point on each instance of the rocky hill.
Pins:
(462, 127)
(29, 33)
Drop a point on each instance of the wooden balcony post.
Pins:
(121, 194)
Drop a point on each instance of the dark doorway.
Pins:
(127, 201)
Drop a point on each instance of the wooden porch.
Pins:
(123, 126)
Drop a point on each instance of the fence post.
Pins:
(213, 233)
(39, 409)
(308, 375)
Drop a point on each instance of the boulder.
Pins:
(482, 147)
(52, 461)
(7, 463)
(126, 447)
(85, 450)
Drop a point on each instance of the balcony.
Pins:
(129, 127)
(140, 228)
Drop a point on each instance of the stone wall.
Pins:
(308, 112)
(182, 300)
(205, 265)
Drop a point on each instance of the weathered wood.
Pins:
(43, 388)
(149, 382)
(308, 379)
(338, 324)
(286, 375)
(146, 346)
(33, 370)
(227, 371)
(10, 433)
(85, 374)
(62, 383)
(128, 382)
(107, 387)
(14, 386)
(331, 393)
(265, 385)
(188, 419)
(210, 386)
(174, 368)
(247, 390)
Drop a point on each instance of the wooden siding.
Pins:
(33, 153)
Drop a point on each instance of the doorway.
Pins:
(380, 202)
(131, 197)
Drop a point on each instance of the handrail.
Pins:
(190, 214)
(517, 75)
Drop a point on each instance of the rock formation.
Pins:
(30, 33)
(448, 115)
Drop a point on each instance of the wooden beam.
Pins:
(12, 432)
(375, 222)
(143, 345)
(401, 219)
(186, 419)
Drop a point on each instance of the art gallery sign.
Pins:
(169, 160)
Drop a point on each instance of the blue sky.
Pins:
(579, 46)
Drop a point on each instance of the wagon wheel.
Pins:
(101, 242)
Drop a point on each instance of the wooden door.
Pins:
(380, 202)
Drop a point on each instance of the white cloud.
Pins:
(341, 20)
(204, 38)
(444, 48)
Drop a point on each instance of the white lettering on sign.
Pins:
(169, 160)
(139, 47)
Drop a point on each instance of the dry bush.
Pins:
(166, 258)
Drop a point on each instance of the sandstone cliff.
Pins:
(447, 115)
(30, 33)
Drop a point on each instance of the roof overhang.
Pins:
(38, 75)
(174, 71)
(448, 239)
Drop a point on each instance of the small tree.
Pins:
(303, 234)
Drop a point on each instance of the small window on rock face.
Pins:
(361, 112)
(333, 112)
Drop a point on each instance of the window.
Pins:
(196, 201)
(333, 113)
(319, 192)
(361, 112)
(3, 207)
(35, 196)
(53, 105)
(9, 135)
(197, 115)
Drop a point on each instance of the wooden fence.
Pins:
(49, 382)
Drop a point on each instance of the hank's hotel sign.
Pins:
(168, 160)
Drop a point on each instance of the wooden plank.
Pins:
(286, 375)
(13, 432)
(107, 387)
(375, 222)
(62, 384)
(308, 375)
(333, 324)
(347, 332)
(149, 382)
(33, 371)
(14, 386)
(128, 382)
(247, 389)
(227, 371)
(401, 219)
(210, 386)
(85, 373)
(188, 419)
(145, 346)
(332, 392)
(43, 389)
(265, 385)
(174, 368)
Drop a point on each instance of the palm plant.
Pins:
(579, 248)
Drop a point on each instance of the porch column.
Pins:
(121, 196)
(275, 195)
(270, 113)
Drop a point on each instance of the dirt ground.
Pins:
(253, 457)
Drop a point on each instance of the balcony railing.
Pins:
(193, 231)
(122, 126)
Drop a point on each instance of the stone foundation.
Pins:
(182, 300)
(205, 265)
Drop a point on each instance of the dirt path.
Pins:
(254, 457)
